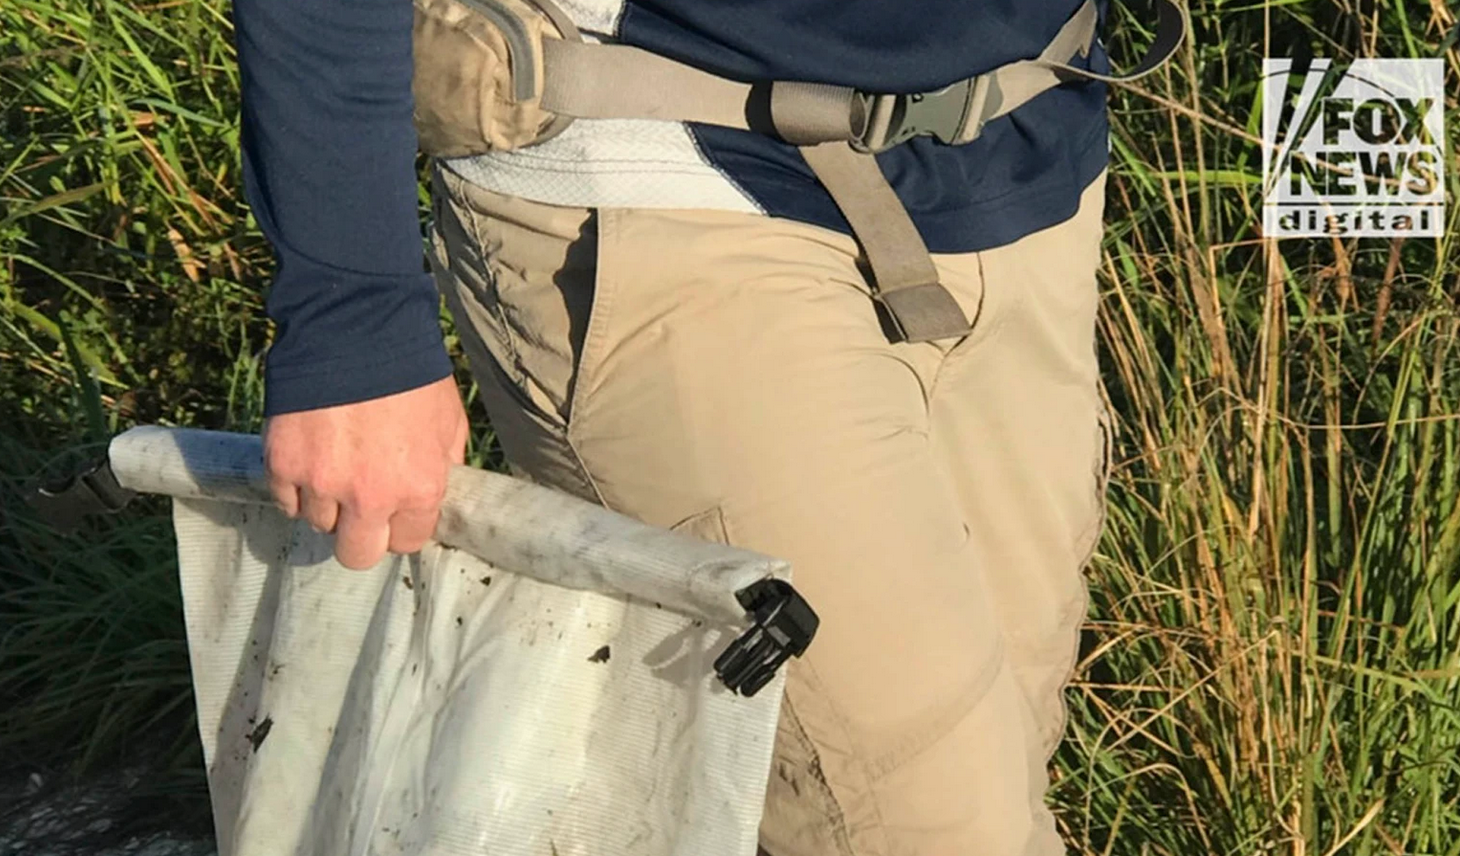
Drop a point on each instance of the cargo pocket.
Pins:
(800, 814)
(707, 525)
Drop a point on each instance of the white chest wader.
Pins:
(495, 75)
(549, 678)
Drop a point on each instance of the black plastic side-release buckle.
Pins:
(946, 114)
(64, 503)
(783, 624)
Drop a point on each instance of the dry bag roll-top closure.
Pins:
(497, 75)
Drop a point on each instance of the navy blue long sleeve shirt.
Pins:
(329, 153)
(329, 149)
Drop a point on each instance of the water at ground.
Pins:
(39, 820)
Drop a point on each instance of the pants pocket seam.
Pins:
(838, 820)
(600, 310)
(993, 309)
(836, 815)
(495, 372)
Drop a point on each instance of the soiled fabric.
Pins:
(938, 499)
(441, 705)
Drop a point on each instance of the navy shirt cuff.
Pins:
(348, 381)
(346, 336)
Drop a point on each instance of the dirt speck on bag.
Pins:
(260, 733)
(599, 656)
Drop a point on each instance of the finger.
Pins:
(321, 511)
(410, 529)
(360, 541)
(286, 496)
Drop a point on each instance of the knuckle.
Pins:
(370, 505)
(283, 494)
(282, 469)
(324, 483)
(424, 495)
(362, 490)
(321, 520)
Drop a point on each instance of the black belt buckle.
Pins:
(891, 120)
(782, 626)
(64, 503)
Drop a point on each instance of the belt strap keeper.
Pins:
(810, 113)
(922, 313)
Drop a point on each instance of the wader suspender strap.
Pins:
(839, 130)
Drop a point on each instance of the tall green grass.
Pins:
(128, 292)
(131, 281)
(1273, 663)
(1273, 660)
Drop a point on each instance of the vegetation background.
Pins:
(1273, 659)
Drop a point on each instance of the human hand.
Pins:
(373, 472)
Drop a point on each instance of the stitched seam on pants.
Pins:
(1092, 537)
(490, 373)
(929, 734)
(478, 236)
(999, 308)
(510, 344)
(594, 340)
(838, 819)
(840, 724)
(494, 368)
(1101, 472)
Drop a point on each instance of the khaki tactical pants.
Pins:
(726, 374)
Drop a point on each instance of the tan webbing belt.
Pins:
(905, 279)
(839, 130)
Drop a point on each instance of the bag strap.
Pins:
(904, 279)
(839, 129)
